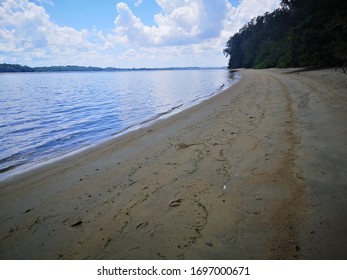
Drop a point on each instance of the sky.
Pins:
(125, 33)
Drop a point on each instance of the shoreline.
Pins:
(31, 166)
(22, 161)
(229, 178)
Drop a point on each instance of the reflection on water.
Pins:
(47, 115)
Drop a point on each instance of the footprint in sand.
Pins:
(142, 225)
(78, 223)
(176, 202)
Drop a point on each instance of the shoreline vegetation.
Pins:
(16, 68)
(256, 172)
(298, 34)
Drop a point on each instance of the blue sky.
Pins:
(85, 14)
(128, 33)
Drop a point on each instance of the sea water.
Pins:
(48, 115)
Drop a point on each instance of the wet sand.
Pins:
(257, 172)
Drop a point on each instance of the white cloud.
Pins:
(129, 54)
(129, 28)
(184, 22)
(179, 22)
(247, 10)
(25, 28)
(48, 2)
(186, 33)
(138, 3)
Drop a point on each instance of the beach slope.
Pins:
(257, 172)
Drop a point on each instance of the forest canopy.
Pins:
(300, 33)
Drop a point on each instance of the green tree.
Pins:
(299, 33)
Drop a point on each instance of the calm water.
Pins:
(47, 115)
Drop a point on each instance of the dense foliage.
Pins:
(10, 68)
(300, 33)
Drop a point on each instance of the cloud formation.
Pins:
(138, 3)
(183, 22)
(27, 33)
(187, 29)
(180, 22)
(186, 32)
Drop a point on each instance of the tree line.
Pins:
(12, 68)
(16, 68)
(300, 33)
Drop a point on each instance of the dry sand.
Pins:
(257, 172)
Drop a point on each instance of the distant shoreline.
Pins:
(16, 68)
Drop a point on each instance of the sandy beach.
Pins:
(257, 172)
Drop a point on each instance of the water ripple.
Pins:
(48, 115)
